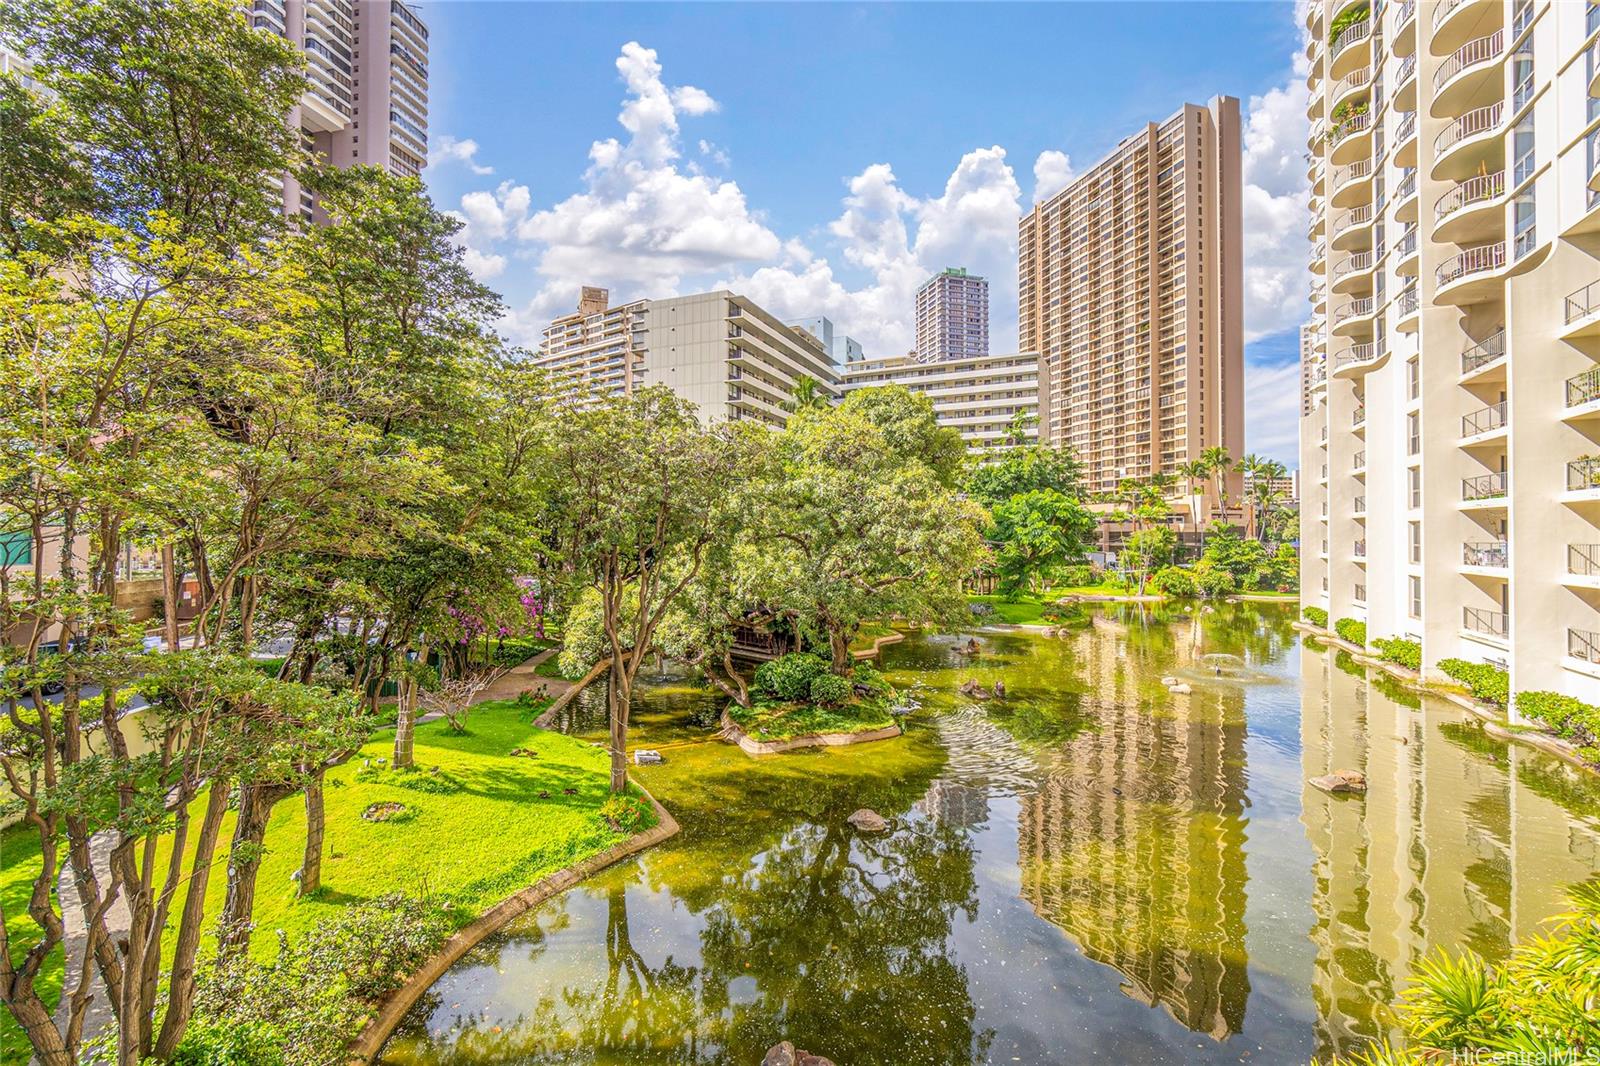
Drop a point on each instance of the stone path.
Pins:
(99, 1014)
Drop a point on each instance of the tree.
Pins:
(1147, 550)
(906, 422)
(644, 495)
(1027, 469)
(807, 394)
(1218, 462)
(1194, 474)
(454, 696)
(1037, 530)
(856, 525)
(1263, 497)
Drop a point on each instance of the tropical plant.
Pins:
(1401, 652)
(1316, 616)
(1485, 681)
(1034, 532)
(1352, 631)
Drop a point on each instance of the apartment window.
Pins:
(1413, 433)
(1522, 212)
(1413, 378)
(1522, 143)
(1415, 606)
(1414, 487)
(1414, 536)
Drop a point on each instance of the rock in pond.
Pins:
(868, 821)
(786, 1054)
(1169, 681)
(972, 690)
(1341, 781)
(1182, 688)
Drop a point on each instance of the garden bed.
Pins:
(766, 743)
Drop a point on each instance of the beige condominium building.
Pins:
(952, 316)
(1451, 483)
(979, 397)
(719, 350)
(367, 102)
(1130, 286)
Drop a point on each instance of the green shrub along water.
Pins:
(1351, 630)
(1566, 716)
(1316, 616)
(1488, 683)
(796, 695)
(1401, 652)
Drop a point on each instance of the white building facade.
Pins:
(979, 397)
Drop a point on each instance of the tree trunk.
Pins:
(839, 649)
(34, 1018)
(405, 725)
(169, 593)
(311, 865)
(190, 925)
(244, 862)
(617, 699)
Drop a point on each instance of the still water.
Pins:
(1088, 869)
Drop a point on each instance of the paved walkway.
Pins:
(99, 1014)
(522, 677)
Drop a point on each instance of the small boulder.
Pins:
(806, 1058)
(1169, 681)
(1341, 781)
(646, 757)
(1181, 689)
(972, 690)
(868, 821)
(780, 1054)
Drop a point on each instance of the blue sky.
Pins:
(825, 158)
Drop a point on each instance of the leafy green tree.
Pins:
(1148, 550)
(905, 421)
(1035, 531)
(1021, 470)
(855, 524)
(1218, 463)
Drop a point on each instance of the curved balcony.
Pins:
(1405, 140)
(1405, 30)
(1405, 85)
(1319, 255)
(1470, 77)
(1317, 134)
(1471, 144)
(1352, 230)
(1594, 65)
(1317, 175)
(1352, 319)
(1407, 309)
(1473, 211)
(1349, 50)
(1314, 104)
(1472, 276)
(1358, 359)
(1319, 299)
(1456, 21)
(1351, 85)
(1352, 185)
(1480, 361)
(1351, 139)
(1405, 199)
(1319, 220)
(1354, 274)
(1404, 254)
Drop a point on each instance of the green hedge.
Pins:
(1406, 653)
(1316, 616)
(1352, 631)
(1488, 683)
(1568, 717)
(1174, 581)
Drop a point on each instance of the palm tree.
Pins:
(807, 394)
(1264, 495)
(1218, 462)
(1250, 466)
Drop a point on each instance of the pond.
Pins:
(1087, 869)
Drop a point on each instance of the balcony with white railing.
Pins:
(1484, 423)
(1358, 417)
(1404, 255)
(1353, 273)
(1583, 395)
(1352, 230)
(1406, 307)
(1358, 506)
(1486, 622)
(1353, 318)
(1358, 549)
(1357, 359)
(1455, 21)
(1486, 554)
(1405, 82)
(1489, 350)
(1404, 197)
(1485, 488)
(1580, 312)
(1470, 144)
(1472, 210)
(1583, 565)
(1352, 184)
(1470, 276)
(1350, 86)
(1349, 138)
(1348, 50)
(1583, 477)
(1584, 645)
(1358, 461)
(1469, 77)
(1405, 140)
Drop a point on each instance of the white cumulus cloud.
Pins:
(448, 149)
(1275, 207)
(1052, 172)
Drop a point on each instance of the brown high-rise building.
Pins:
(1130, 284)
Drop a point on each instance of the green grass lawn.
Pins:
(785, 721)
(488, 835)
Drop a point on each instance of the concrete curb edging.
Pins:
(878, 645)
(549, 715)
(752, 747)
(394, 1008)
(1493, 720)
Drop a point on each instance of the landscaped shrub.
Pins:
(625, 814)
(789, 678)
(869, 681)
(1352, 631)
(1078, 575)
(1214, 581)
(1567, 716)
(317, 991)
(1488, 683)
(829, 690)
(1174, 581)
(1406, 653)
(1316, 616)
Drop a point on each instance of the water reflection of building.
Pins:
(1134, 845)
(957, 805)
(1461, 841)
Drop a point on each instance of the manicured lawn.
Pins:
(482, 836)
(1105, 588)
(785, 721)
(1023, 611)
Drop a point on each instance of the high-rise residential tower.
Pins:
(1130, 284)
(953, 316)
(1452, 485)
(367, 103)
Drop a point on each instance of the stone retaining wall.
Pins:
(751, 746)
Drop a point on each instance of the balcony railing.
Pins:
(1484, 420)
(1474, 190)
(1493, 623)
(1408, 68)
(1355, 264)
(1485, 486)
(1585, 301)
(1350, 124)
(1358, 593)
(1480, 260)
(1469, 55)
(1584, 644)
(1484, 352)
(1353, 80)
(1356, 353)
(1407, 186)
(1406, 302)
(1408, 126)
(1492, 554)
(1583, 474)
(1358, 216)
(1358, 416)
(1351, 34)
(1442, 12)
(1359, 549)
(1480, 120)
(1354, 172)
(1358, 460)
(1357, 506)
(1351, 310)
(1581, 388)
(1583, 559)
